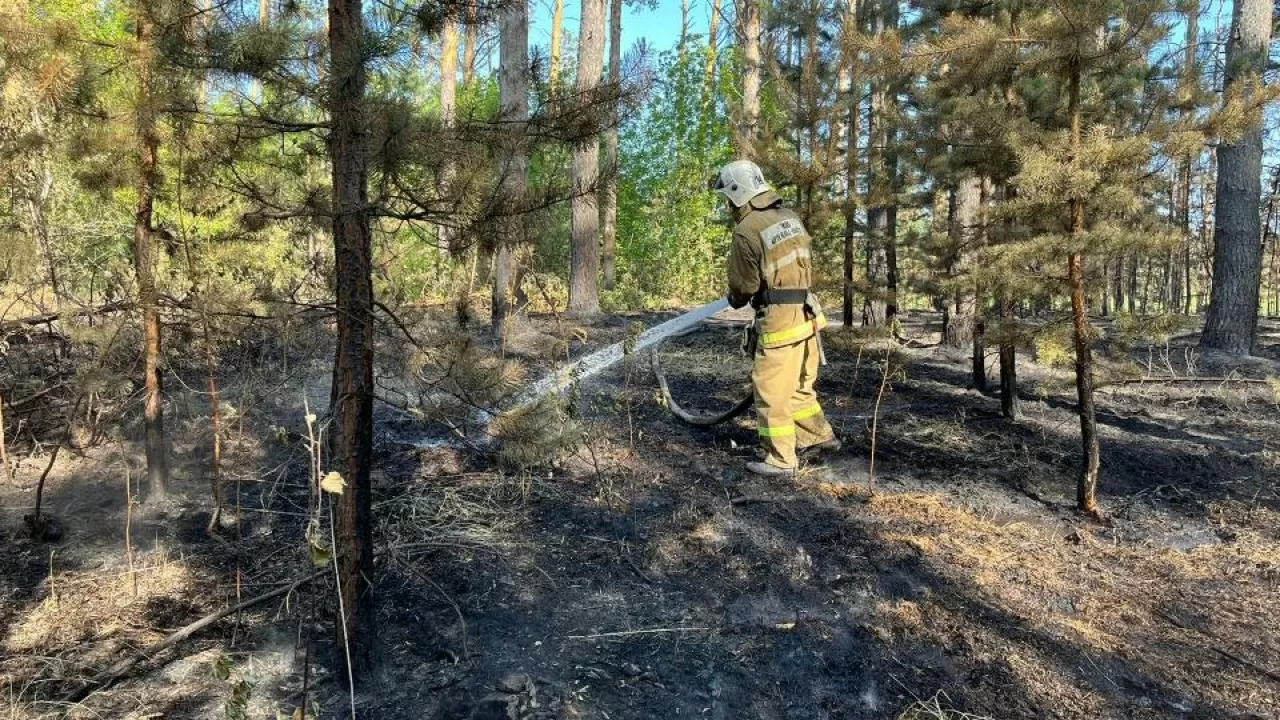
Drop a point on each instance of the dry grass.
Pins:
(935, 709)
(95, 606)
(86, 620)
(1100, 596)
(481, 515)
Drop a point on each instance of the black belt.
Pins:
(783, 297)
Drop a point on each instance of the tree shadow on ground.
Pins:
(1138, 454)
(686, 603)
(88, 601)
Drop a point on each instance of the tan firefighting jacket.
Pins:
(771, 252)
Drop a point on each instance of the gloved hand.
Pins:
(735, 302)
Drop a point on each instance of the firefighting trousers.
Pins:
(788, 415)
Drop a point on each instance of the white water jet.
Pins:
(589, 365)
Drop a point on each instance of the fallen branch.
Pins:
(1219, 650)
(46, 318)
(1190, 380)
(622, 553)
(753, 499)
(628, 633)
(4, 447)
(115, 672)
(15, 404)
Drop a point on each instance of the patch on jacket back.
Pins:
(780, 232)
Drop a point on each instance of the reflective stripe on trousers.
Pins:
(788, 414)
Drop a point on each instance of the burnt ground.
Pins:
(645, 576)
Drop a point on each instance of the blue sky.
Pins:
(659, 25)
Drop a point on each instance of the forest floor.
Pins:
(646, 575)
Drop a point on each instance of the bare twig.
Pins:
(753, 499)
(4, 447)
(629, 633)
(128, 522)
(1220, 650)
(462, 621)
(47, 318)
(1189, 380)
(622, 553)
(875, 422)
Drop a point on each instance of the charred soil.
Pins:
(645, 575)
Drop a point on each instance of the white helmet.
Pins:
(740, 181)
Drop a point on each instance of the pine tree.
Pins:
(881, 303)
(513, 80)
(748, 29)
(43, 71)
(147, 147)
(351, 396)
(1231, 323)
(584, 264)
(1077, 114)
(609, 184)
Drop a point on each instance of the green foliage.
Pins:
(1053, 345)
(672, 232)
(1132, 330)
(535, 435)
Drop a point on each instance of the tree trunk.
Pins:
(879, 188)
(1009, 406)
(1117, 284)
(854, 102)
(557, 42)
(609, 184)
(979, 320)
(889, 134)
(513, 89)
(264, 19)
(684, 26)
(148, 139)
(1132, 299)
(351, 396)
(1232, 321)
(1190, 76)
(749, 39)
(1008, 360)
(1087, 485)
(1146, 287)
(471, 39)
(37, 206)
(584, 267)
(1269, 242)
(873, 304)
(963, 231)
(709, 93)
(1204, 231)
(448, 110)
(891, 237)
(1106, 289)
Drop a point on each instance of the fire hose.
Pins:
(695, 419)
(711, 419)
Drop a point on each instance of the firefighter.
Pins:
(770, 267)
